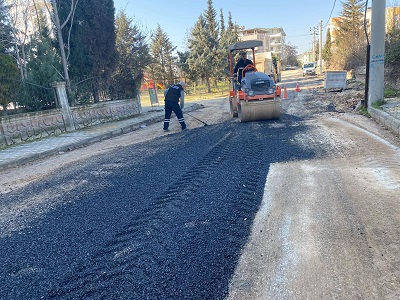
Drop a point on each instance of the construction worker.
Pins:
(240, 65)
(172, 95)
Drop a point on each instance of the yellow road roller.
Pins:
(254, 95)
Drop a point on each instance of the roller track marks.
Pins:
(134, 260)
(126, 257)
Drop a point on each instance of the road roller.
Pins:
(256, 96)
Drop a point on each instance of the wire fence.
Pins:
(87, 91)
(96, 89)
(192, 93)
(25, 96)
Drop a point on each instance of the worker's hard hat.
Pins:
(181, 83)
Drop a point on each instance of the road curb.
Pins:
(385, 119)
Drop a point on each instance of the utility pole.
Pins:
(320, 47)
(313, 44)
(377, 58)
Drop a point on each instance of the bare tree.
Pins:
(19, 16)
(53, 7)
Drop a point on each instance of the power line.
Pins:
(291, 36)
(334, 3)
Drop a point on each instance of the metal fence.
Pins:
(25, 96)
(95, 89)
(87, 91)
(29, 117)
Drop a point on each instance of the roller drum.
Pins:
(259, 110)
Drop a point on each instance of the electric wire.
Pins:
(327, 22)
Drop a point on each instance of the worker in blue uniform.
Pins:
(240, 65)
(173, 95)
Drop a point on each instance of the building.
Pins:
(333, 26)
(392, 18)
(306, 57)
(392, 21)
(273, 39)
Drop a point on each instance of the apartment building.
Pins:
(392, 18)
(273, 39)
(334, 25)
(392, 21)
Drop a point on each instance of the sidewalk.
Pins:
(23, 153)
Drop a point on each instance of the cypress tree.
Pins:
(92, 43)
(133, 57)
(44, 64)
(43, 68)
(327, 50)
(163, 61)
(228, 37)
(197, 44)
(9, 74)
(213, 53)
(205, 54)
(5, 29)
(350, 45)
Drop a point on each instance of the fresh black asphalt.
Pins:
(165, 219)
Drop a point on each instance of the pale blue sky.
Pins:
(177, 17)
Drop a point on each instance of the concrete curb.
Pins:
(385, 119)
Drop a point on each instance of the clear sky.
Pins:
(177, 17)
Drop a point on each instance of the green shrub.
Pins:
(391, 92)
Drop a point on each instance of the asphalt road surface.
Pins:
(304, 207)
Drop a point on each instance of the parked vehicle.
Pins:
(309, 69)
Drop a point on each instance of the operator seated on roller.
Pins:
(240, 65)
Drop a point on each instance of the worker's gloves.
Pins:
(182, 105)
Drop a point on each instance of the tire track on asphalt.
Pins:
(185, 237)
(126, 257)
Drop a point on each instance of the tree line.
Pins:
(101, 54)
